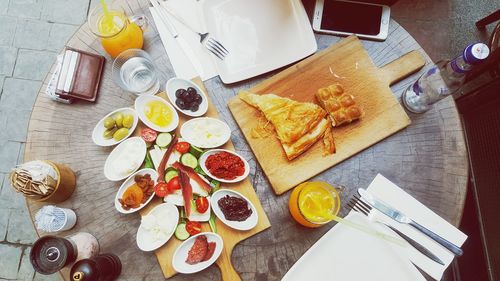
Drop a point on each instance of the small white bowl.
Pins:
(167, 212)
(99, 128)
(206, 154)
(175, 84)
(129, 182)
(140, 104)
(179, 259)
(136, 158)
(247, 224)
(196, 131)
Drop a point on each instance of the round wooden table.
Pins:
(427, 159)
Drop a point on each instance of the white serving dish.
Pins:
(99, 128)
(196, 131)
(247, 224)
(179, 259)
(256, 33)
(136, 159)
(178, 83)
(206, 154)
(140, 104)
(164, 211)
(129, 182)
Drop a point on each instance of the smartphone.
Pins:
(365, 20)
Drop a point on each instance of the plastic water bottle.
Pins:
(443, 79)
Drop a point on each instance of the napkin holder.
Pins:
(80, 75)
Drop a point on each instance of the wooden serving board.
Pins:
(230, 236)
(347, 63)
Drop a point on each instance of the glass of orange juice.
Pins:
(313, 204)
(115, 29)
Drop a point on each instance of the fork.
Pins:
(358, 205)
(210, 43)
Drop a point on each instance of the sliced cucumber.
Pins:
(189, 160)
(163, 139)
(196, 151)
(170, 173)
(200, 171)
(181, 232)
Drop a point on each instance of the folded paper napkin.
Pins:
(349, 254)
(183, 68)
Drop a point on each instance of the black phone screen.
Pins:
(351, 17)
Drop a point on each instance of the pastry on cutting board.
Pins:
(341, 106)
(298, 125)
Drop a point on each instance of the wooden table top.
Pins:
(428, 160)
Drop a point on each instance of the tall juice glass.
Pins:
(313, 204)
(116, 31)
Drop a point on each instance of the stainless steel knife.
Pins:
(417, 245)
(402, 218)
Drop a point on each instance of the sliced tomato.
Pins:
(161, 189)
(148, 135)
(201, 205)
(182, 147)
(174, 184)
(193, 227)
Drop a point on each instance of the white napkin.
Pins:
(344, 253)
(187, 10)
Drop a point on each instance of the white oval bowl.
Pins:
(99, 128)
(178, 83)
(179, 259)
(198, 124)
(144, 240)
(109, 172)
(206, 154)
(247, 224)
(140, 104)
(129, 182)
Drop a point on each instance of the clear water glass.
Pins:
(135, 72)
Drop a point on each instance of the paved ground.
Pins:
(33, 31)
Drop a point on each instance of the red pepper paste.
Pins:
(225, 165)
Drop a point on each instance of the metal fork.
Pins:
(357, 204)
(214, 46)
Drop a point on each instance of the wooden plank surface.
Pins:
(346, 63)
(428, 159)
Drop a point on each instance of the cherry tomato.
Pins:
(174, 184)
(148, 135)
(182, 147)
(193, 227)
(201, 204)
(161, 189)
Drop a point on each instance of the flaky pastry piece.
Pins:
(295, 149)
(341, 106)
(291, 119)
(328, 142)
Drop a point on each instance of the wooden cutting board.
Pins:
(230, 236)
(348, 63)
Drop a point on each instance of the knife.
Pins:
(417, 245)
(402, 218)
(182, 43)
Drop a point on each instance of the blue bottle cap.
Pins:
(476, 53)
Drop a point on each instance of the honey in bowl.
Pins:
(158, 113)
(313, 204)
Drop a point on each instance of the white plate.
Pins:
(206, 154)
(205, 132)
(140, 104)
(99, 128)
(179, 259)
(178, 83)
(260, 35)
(112, 169)
(165, 211)
(247, 224)
(129, 182)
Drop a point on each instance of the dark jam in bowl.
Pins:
(234, 208)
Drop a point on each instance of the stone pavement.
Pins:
(32, 32)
